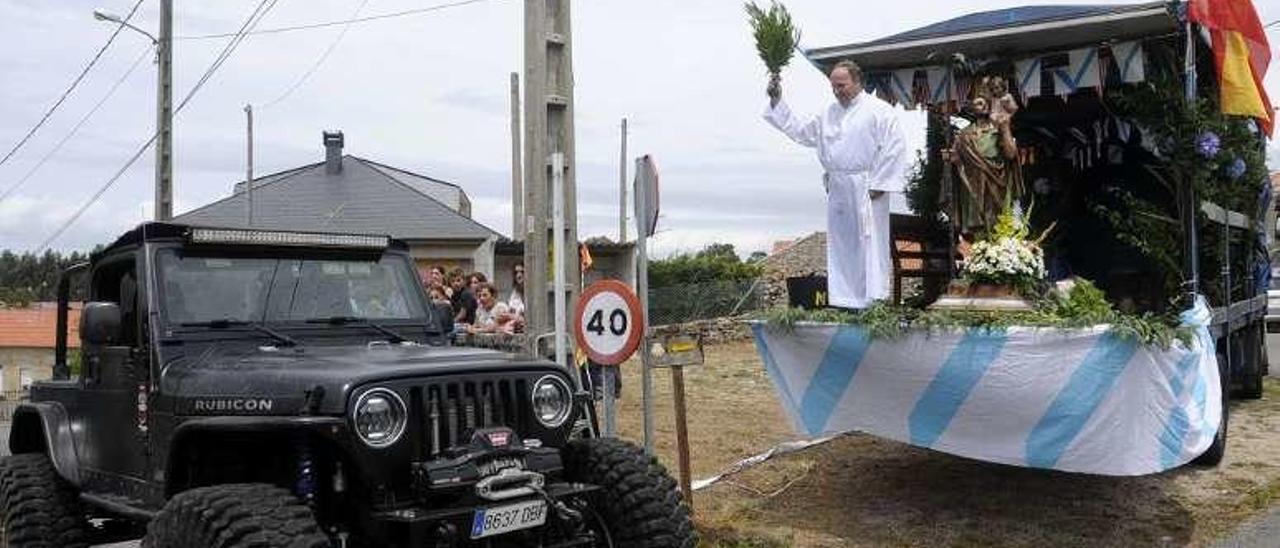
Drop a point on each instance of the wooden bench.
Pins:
(918, 251)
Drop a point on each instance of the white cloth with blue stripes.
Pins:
(1080, 400)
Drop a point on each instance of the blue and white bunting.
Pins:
(1081, 71)
(1130, 61)
(904, 86)
(1085, 400)
(1028, 74)
(939, 79)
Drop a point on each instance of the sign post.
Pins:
(676, 352)
(608, 325)
(646, 201)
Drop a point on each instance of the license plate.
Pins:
(512, 517)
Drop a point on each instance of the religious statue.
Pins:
(987, 154)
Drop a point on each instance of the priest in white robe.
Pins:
(864, 153)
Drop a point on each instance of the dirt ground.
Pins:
(863, 491)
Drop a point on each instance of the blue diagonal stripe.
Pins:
(1180, 372)
(942, 87)
(1200, 396)
(1079, 399)
(1128, 61)
(1171, 440)
(1175, 430)
(771, 366)
(1026, 78)
(1073, 82)
(833, 377)
(903, 91)
(949, 389)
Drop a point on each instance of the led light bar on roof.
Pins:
(282, 238)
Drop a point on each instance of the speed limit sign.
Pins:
(608, 322)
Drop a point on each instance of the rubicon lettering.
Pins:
(232, 405)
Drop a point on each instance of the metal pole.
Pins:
(622, 187)
(164, 114)
(517, 177)
(607, 373)
(248, 172)
(557, 245)
(1187, 195)
(642, 287)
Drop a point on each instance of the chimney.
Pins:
(332, 152)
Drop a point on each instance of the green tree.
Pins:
(715, 262)
(27, 277)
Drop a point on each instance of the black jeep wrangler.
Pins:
(262, 388)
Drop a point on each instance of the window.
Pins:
(115, 281)
(197, 289)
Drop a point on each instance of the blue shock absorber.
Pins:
(305, 483)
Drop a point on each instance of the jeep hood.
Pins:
(236, 379)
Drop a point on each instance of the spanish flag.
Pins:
(1242, 54)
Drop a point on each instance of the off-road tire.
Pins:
(235, 516)
(40, 509)
(640, 504)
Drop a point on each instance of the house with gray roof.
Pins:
(346, 193)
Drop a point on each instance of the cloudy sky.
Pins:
(429, 93)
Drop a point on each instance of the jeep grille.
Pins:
(452, 411)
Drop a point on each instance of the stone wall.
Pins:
(719, 330)
(19, 366)
(805, 256)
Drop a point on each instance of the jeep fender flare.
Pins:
(43, 427)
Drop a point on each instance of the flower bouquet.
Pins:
(1000, 269)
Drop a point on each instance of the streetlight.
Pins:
(104, 15)
(164, 103)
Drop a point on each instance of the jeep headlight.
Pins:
(379, 417)
(552, 401)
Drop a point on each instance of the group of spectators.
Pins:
(476, 304)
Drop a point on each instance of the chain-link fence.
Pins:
(703, 301)
(9, 401)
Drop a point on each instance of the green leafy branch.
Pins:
(776, 36)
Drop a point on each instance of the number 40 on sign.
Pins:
(608, 322)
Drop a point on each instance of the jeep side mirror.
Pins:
(100, 323)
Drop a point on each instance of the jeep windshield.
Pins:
(217, 291)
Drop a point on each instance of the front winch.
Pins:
(495, 463)
(510, 483)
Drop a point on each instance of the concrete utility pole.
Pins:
(164, 114)
(248, 172)
(548, 126)
(517, 186)
(622, 187)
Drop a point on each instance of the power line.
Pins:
(254, 18)
(72, 87)
(320, 61)
(8, 192)
(416, 11)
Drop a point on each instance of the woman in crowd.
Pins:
(515, 301)
(435, 278)
(492, 316)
